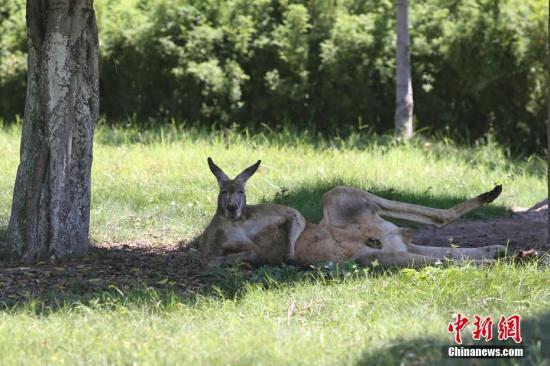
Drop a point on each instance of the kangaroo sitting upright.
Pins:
(352, 228)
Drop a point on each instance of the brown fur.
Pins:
(352, 228)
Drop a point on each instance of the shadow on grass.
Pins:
(110, 273)
(141, 273)
(429, 351)
(134, 276)
(307, 200)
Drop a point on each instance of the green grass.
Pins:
(373, 319)
(155, 186)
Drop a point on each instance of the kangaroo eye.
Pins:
(224, 192)
(241, 192)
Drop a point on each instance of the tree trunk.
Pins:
(50, 214)
(403, 84)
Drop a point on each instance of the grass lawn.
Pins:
(156, 186)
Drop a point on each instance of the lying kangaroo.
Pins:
(352, 228)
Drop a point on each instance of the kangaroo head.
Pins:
(232, 197)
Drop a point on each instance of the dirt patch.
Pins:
(525, 229)
(108, 267)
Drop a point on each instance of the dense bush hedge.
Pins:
(478, 65)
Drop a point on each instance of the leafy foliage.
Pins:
(12, 57)
(478, 65)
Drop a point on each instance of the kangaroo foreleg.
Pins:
(297, 225)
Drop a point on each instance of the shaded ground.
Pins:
(108, 267)
(177, 268)
(525, 229)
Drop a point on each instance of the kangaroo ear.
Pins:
(216, 170)
(248, 172)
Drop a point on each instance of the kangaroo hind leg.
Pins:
(344, 205)
(435, 216)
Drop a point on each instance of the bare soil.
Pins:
(119, 267)
(525, 229)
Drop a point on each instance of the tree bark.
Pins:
(51, 203)
(403, 84)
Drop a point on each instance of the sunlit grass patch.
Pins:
(281, 316)
(155, 184)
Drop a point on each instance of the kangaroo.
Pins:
(352, 228)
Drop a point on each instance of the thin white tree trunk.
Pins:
(403, 84)
(51, 202)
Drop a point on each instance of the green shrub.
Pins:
(13, 61)
(478, 65)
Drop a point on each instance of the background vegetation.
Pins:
(323, 65)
